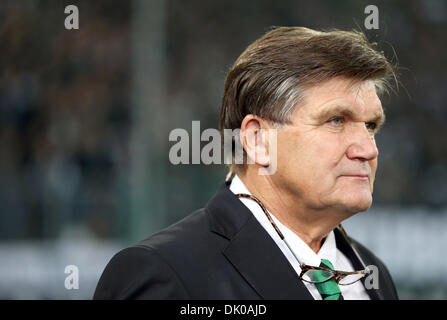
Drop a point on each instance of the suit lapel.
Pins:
(252, 251)
(346, 248)
(263, 265)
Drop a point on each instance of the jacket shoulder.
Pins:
(190, 230)
(155, 268)
(125, 278)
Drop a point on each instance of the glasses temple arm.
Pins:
(353, 246)
(243, 195)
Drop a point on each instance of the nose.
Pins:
(362, 144)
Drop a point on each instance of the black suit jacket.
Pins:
(219, 252)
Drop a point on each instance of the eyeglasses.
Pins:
(314, 274)
(320, 274)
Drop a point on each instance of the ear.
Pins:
(255, 140)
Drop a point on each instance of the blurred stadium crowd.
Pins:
(64, 117)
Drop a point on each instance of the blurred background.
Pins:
(85, 117)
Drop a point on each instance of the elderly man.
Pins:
(276, 234)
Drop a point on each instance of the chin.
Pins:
(357, 202)
(359, 206)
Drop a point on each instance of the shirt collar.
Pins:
(302, 251)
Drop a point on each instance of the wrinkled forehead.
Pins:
(360, 97)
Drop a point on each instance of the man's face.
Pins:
(327, 156)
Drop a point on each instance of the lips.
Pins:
(356, 175)
(360, 174)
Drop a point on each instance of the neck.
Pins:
(312, 226)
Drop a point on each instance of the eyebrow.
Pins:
(378, 118)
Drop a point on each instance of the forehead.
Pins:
(359, 98)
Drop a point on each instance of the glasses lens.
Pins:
(316, 276)
(350, 279)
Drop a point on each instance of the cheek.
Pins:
(323, 153)
(292, 156)
(373, 165)
(310, 154)
(330, 151)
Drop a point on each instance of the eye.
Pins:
(371, 126)
(336, 121)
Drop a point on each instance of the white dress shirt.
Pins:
(303, 252)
